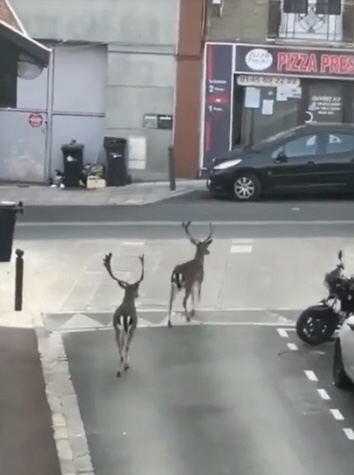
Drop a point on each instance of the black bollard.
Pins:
(19, 280)
(171, 168)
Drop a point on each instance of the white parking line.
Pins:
(311, 375)
(283, 333)
(292, 347)
(324, 394)
(349, 433)
(337, 414)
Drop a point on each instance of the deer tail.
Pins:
(176, 278)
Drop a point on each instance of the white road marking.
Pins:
(133, 243)
(324, 394)
(283, 333)
(241, 248)
(337, 414)
(292, 347)
(311, 375)
(93, 224)
(163, 324)
(203, 309)
(349, 433)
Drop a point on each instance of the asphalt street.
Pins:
(210, 400)
(277, 217)
(26, 436)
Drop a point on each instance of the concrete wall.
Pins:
(141, 81)
(245, 20)
(142, 38)
(126, 21)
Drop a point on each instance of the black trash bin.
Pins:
(8, 211)
(116, 155)
(73, 159)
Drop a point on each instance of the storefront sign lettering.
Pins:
(266, 81)
(296, 61)
(318, 64)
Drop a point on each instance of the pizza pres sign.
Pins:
(294, 61)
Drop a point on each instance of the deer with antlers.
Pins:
(189, 275)
(125, 318)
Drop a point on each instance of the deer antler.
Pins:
(209, 238)
(141, 258)
(107, 264)
(185, 226)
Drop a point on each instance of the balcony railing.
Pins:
(314, 22)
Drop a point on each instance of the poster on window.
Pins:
(326, 108)
(217, 101)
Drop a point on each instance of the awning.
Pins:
(25, 44)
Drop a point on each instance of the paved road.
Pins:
(253, 274)
(26, 440)
(206, 401)
(198, 206)
(276, 218)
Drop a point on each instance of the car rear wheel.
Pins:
(340, 378)
(247, 187)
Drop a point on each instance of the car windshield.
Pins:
(264, 143)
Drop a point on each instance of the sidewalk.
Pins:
(137, 194)
(26, 436)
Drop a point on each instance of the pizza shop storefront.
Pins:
(254, 91)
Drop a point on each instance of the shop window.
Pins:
(325, 101)
(321, 20)
(328, 7)
(8, 76)
(301, 147)
(339, 143)
(295, 6)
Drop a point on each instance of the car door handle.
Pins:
(311, 162)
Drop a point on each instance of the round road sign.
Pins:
(35, 119)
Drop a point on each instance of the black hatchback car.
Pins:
(307, 158)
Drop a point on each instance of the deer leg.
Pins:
(119, 334)
(199, 290)
(127, 348)
(173, 294)
(193, 289)
(187, 294)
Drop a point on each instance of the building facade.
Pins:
(273, 64)
(23, 59)
(113, 73)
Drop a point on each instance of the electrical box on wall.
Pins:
(217, 8)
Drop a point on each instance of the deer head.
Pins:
(202, 246)
(131, 290)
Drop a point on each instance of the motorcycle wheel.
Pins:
(314, 327)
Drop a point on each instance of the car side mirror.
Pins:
(281, 157)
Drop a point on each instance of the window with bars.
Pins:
(321, 7)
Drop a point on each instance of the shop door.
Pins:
(272, 116)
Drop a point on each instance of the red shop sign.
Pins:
(266, 59)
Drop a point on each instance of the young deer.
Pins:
(189, 275)
(125, 318)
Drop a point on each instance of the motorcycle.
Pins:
(318, 323)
